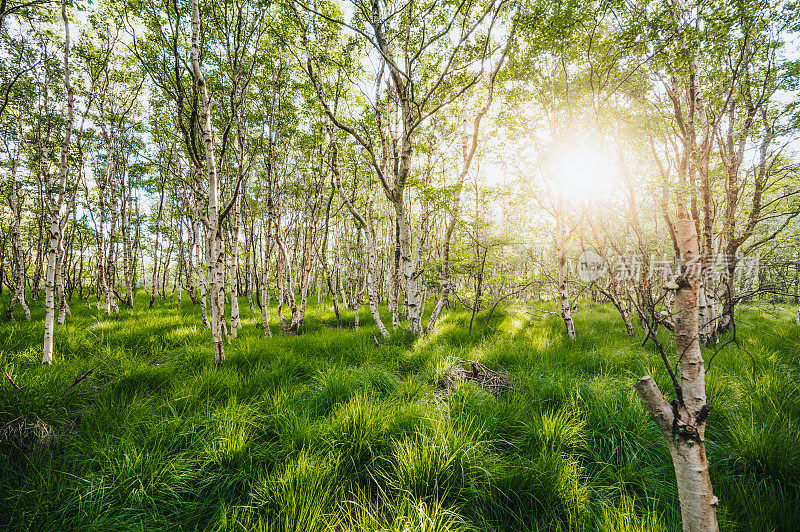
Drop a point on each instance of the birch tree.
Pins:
(683, 422)
(15, 203)
(469, 144)
(367, 229)
(58, 203)
(407, 94)
(212, 219)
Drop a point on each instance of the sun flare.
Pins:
(582, 172)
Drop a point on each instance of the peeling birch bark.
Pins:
(683, 423)
(57, 217)
(563, 291)
(215, 251)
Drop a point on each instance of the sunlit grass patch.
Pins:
(303, 495)
(331, 430)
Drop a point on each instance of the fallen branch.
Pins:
(11, 380)
(497, 382)
(77, 381)
(533, 312)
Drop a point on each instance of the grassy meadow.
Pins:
(327, 431)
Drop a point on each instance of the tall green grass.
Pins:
(325, 430)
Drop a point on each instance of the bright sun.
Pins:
(582, 172)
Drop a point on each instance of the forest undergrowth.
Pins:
(134, 428)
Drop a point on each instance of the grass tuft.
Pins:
(325, 430)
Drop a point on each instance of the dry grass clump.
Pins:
(29, 434)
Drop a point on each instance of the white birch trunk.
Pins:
(683, 424)
(466, 158)
(102, 289)
(16, 241)
(709, 316)
(413, 295)
(215, 253)
(340, 274)
(201, 278)
(393, 273)
(50, 289)
(154, 278)
(56, 218)
(369, 242)
(63, 306)
(127, 255)
(563, 290)
(236, 322)
(111, 297)
(265, 295)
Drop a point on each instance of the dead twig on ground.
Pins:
(77, 381)
(11, 380)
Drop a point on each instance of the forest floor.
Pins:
(327, 430)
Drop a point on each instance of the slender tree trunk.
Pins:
(709, 313)
(393, 274)
(454, 213)
(155, 245)
(326, 272)
(563, 290)
(236, 322)
(16, 243)
(248, 279)
(279, 265)
(369, 241)
(50, 289)
(165, 272)
(683, 423)
(128, 264)
(40, 241)
(620, 302)
(337, 265)
(476, 305)
(334, 296)
(63, 306)
(215, 253)
(101, 245)
(265, 296)
(285, 282)
(111, 296)
(265, 276)
(410, 276)
(308, 254)
(56, 223)
(202, 278)
(622, 306)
